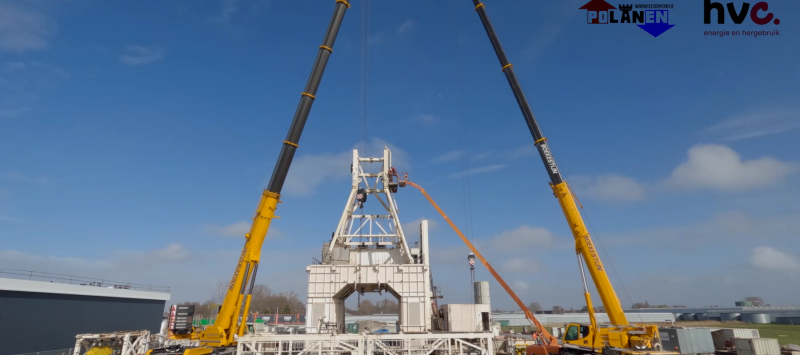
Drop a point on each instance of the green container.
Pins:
(503, 323)
(352, 328)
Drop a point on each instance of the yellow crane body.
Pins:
(621, 337)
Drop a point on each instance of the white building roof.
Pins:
(68, 289)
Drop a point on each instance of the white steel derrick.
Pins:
(376, 229)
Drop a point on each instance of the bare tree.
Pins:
(219, 291)
(558, 310)
(534, 307)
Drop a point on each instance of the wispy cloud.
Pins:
(608, 187)
(138, 55)
(310, 170)
(238, 230)
(482, 155)
(771, 259)
(427, 119)
(11, 219)
(479, 170)
(449, 156)
(23, 82)
(20, 177)
(23, 29)
(405, 27)
(411, 229)
(756, 124)
(524, 151)
(238, 16)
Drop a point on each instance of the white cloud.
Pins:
(23, 29)
(608, 187)
(453, 155)
(482, 155)
(756, 124)
(523, 237)
(525, 151)
(771, 259)
(521, 285)
(233, 230)
(238, 16)
(427, 119)
(526, 264)
(719, 167)
(11, 219)
(411, 229)
(405, 27)
(479, 170)
(238, 230)
(310, 170)
(138, 55)
(22, 83)
(20, 177)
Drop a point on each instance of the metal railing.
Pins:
(78, 280)
(50, 352)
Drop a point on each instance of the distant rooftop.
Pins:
(49, 277)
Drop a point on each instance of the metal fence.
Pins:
(51, 352)
(78, 280)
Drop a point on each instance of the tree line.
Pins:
(263, 300)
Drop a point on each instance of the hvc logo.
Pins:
(738, 16)
(653, 18)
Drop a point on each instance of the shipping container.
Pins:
(352, 328)
(757, 346)
(466, 317)
(687, 340)
(723, 338)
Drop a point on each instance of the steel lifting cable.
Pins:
(364, 100)
(462, 136)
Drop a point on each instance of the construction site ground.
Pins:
(786, 334)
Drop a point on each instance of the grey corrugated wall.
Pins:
(31, 322)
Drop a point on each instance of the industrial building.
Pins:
(746, 314)
(45, 315)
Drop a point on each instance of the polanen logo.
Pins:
(652, 18)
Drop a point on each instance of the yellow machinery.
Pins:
(231, 321)
(221, 337)
(621, 337)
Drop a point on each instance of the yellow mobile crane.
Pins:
(231, 322)
(620, 337)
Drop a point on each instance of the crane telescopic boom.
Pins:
(583, 242)
(232, 318)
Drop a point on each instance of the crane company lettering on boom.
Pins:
(549, 157)
(652, 18)
(238, 269)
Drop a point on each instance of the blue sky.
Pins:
(135, 140)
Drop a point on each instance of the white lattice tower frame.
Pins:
(371, 230)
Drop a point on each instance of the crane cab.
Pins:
(612, 339)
